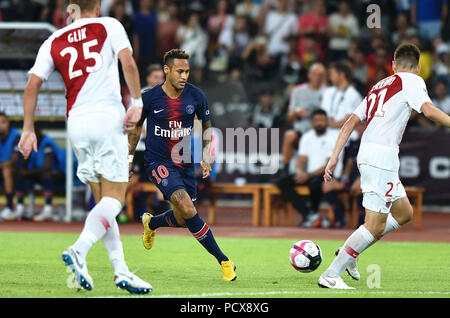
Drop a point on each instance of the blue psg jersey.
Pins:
(170, 123)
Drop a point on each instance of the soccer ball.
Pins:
(305, 256)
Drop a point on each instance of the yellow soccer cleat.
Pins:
(228, 269)
(148, 238)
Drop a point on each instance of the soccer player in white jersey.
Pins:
(386, 110)
(86, 54)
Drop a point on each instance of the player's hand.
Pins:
(28, 143)
(331, 165)
(132, 116)
(206, 167)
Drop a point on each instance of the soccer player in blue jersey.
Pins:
(170, 109)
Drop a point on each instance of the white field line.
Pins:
(324, 292)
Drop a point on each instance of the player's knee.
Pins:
(406, 216)
(376, 229)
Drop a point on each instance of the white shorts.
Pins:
(380, 188)
(100, 146)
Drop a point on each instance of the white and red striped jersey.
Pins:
(86, 54)
(386, 110)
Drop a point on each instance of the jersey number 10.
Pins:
(87, 55)
(372, 100)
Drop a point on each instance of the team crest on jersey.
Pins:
(164, 182)
(190, 109)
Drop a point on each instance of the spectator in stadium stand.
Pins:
(341, 99)
(382, 67)
(265, 111)
(403, 30)
(106, 6)
(145, 20)
(429, 16)
(58, 16)
(343, 26)
(441, 63)
(248, 8)
(118, 10)
(314, 23)
(218, 22)
(315, 147)
(9, 138)
(278, 26)
(45, 167)
(348, 183)
(258, 64)
(426, 58)
(155, 76)
(442, 99)
(13, 10)
(166, 31)
(234, 41)
(359, 69)
(192, 39)
(304, 100)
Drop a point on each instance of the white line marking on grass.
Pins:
(324, 292)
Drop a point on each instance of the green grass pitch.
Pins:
(31, 266)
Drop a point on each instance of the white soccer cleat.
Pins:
(9, 215)
(132, 283)
(352, 268)
(4, 213)
(46, 214)
(79, 266)
(332, 282)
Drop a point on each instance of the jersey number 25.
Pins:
(87, 55)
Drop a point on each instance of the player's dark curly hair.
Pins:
(407, 56)
(174, 54)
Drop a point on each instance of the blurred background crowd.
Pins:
(298, 65)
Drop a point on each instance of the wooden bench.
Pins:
(270, 189)
(216, 188)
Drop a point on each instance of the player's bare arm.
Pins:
(131, 75)
(344, 134)
(432, 112)
(28, 140)
(208, 158)
(133, 139)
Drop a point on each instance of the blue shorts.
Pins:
(168, 178)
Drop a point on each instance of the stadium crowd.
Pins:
(305, 65)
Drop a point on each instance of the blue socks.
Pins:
(200, 230)
(166, 219)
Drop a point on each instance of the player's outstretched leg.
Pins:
(123, 278)
(360, 240)
(401, 213)
(185, 209)
(96, 225)
(151, 223)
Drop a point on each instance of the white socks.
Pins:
(355, 244)
(391, 224)
(113, 244)
(98, 222)
(359, 241)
